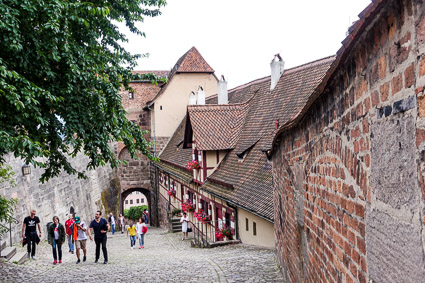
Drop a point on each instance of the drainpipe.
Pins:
(153, 130)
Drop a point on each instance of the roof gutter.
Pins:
(237, 205)
(169, 172)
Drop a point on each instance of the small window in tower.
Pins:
(160, 107)
(254, 228)
(247, 224)
(131, 95)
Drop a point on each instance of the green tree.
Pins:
(135, 212)
(61, 67)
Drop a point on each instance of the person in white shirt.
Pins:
(112, 222)
(79, 229)
(184, 220)
(122, 226)
(141, 230)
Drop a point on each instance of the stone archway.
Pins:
(145, 192)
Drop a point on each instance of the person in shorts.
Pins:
(79, 229)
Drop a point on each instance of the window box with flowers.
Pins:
(201, 216)
(224, 233)
(188, 206)
(171, 193)
(191, 165)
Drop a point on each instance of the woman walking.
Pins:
(184, 220)
(56, 237)
(141, 230)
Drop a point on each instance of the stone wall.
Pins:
(60, 194)
(349, 178)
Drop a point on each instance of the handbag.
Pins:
(189, 229)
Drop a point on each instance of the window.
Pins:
(247, 224)
(131, 201)
(126, 202)
(131, 95)
(137, 200)
(160, 107)
(142, 200)
(254, 228)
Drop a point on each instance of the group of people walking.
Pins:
(75, 231)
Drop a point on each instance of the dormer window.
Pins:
(131, 95)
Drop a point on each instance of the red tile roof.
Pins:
(191, 62)
(217, 127)
(245, 168)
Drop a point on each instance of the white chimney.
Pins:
(200, 96)
(223, 96)
(277, 65)
(192, 98)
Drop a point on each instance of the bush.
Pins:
(176, 211)
(135, 212)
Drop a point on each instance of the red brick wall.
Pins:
(348, 164)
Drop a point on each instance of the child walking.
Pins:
(132, 231)
(141, 231)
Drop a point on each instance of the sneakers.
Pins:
(132, 248)
(84, 258)
(143, 247)
(96, 261)
(33, 257)
(105, 262)
(140, 247)
(55, 261)
(78, 261)
(60, 261)
(28, 255)
(72, 252)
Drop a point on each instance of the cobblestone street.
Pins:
(165, 258)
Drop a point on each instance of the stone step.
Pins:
(2, 245)
(8, 252)
(19, 258)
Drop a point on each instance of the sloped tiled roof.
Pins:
(366, 17)
(217, 127)
(245, 168)
(191, 62)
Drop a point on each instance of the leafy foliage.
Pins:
(135, 212)
(6, 205)
(61, 67)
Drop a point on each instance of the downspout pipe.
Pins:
(153, 129)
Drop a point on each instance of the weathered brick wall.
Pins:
(349, 178)
(143, 92)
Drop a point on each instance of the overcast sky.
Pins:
(238, 38)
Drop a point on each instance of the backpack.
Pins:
(144, 229)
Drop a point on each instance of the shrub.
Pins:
(135, 212)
